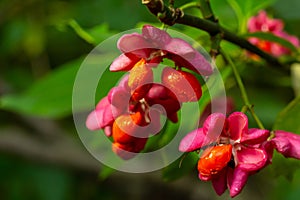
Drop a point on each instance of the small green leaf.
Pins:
(100, 33)
(295, 76)
(272, 38)
(81, 32)
(94, 35)
(105, 172)
(288, 119)
(185, 164)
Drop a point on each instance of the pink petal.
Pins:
(192, 141)
(219, 181)
(292, 39)
(275, 25)
(237, 179)
(108, 131)
(136, 44)
(286, 143)
(119, 100)
(103, 103)
(204, 178)
(269, 148)
(124, 82)
(123, 63)
(181, 48)
(200, 65)
(237, 125)
(155, 35)
(102, 116)
(98, 119)
(196, 63)
(213, 127)
(255, 23)
(251, 159)
(255, 136)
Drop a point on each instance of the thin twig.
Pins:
(248, 106)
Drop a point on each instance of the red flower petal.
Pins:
(123, 63)
(286, 143)
(181, 48)
(155, 35)
(219, 181)
(251, 159)
(237, 125)
(213, 127)
(135, 44)
(102, 116)
(237, 179)
(255, 136)
(192, 141)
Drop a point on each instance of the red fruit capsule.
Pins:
(125, 126)
(185, 85)
(214, 159)
(140, 75)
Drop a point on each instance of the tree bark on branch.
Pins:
(171, 16)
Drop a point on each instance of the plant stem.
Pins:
(248, 106)
(207, 11)
(190, 5)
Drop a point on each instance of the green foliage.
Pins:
(288, 119)
(37, 36)
(25, 181)
(105, 172)
(49, 97)
(291, 189)
(183, 165)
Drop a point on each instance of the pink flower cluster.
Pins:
(127, 113)
(262, 23)
(233, 152)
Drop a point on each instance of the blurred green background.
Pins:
(42, 44)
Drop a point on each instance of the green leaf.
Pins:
(105, 172)
(180, 167)
(288, 119)
(100, 32)
(246, 8)
(81, 32)
(51, 96)
(273, 38)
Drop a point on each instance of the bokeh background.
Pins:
(42, 44)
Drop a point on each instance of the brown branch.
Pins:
(170, 16)
(63, 151)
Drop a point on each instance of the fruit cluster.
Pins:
(131, 111)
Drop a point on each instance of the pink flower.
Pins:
(286, 143)
(262, 23)
(153, 45)
(247, 153)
